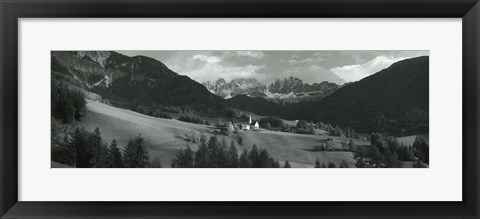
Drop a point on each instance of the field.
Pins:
(165, 137)
(408, 140)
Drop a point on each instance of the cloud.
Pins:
(208, 59)
(250, 54)
(204, 68)
(359, 71)
(310, 61)
(310, 74)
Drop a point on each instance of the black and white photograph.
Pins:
(240, 109)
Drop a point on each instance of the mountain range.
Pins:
(393, 100)
(287, 90)
(134, 82)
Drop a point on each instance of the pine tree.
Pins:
(64, 152)
(287, 164)
(232, 156)
(100, 152)
(351, 145)
(156, 163)
(317, 163)
(244, 162)
(214, 148)
(84, 156)
(188, 162)
(331, 165)
(344, 164)
(202, 157)
(265, 160)
(253, 156)
(183, 159)
(212, 143)
(135, 154)
(114, 156)
(276, 164)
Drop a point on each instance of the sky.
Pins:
(266, 66)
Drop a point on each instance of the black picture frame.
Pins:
(12, 10)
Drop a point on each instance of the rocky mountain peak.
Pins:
(99, 57)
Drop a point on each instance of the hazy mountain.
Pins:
(394, 100)
(134, 82)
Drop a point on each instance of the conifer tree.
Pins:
(265, 161)
(135, 154)
(351, 145)
(156, 163)
(287, 164)
(253, 157)
(344, 164)
(276, 164)
(84, 156)
(331, 165)
(183, 159)
(202, 157)
(317, 163)
(114, 156)
(244, 162)
(232, 156)
(64, 152)
(99, 153)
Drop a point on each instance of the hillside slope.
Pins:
(138, 82)
(165, 137)
(394, 100)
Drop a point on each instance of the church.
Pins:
(249, 125)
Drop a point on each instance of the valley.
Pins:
(160, 118)
(165, 137)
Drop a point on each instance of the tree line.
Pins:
(213, 153)
(67, 105)
(330, 164)
(388, 152)
(85, 149)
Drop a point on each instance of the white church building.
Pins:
(249, 126)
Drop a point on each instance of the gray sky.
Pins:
(266, 66)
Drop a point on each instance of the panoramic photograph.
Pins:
(240, 109)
